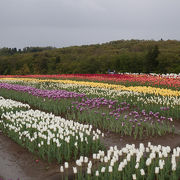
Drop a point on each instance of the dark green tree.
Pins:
(58, 59)
(151, 59)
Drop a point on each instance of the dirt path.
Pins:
(16, 162)
(113, 139)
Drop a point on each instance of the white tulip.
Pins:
(74, 170)
(120, 168)
(85, 159)
(142, 172)
(61, 169)
(137, 165)
(81, 158)
(78, 163)
(88, 170)
(94, 156)
(97, 173)
(148, 161)
(156, 170)
(103, 169)
(66, 165)
(134, 176)
(98, 156)
(110, 169)
(90, 164)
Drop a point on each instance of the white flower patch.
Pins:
(51, 135)
(170, 101)
(10, 104)
(49, 123)
(143, 162)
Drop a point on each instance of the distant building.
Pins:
(111, 72)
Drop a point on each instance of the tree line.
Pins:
(135, 56)
(10, 51)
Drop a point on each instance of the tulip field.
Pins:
(65, 118)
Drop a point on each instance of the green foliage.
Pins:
(122, 56)
(151, 59)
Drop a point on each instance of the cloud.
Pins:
(73, 20)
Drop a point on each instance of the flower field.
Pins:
(66, 118)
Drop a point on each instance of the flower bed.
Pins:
(10, 105)
(151, 162)
(102, 113)
(148, 98)
(168, 81)
(108, 103)
(50, 136)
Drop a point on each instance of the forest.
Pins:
(135, 56)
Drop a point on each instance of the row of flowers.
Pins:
(52, 137)
(103, 113)
(55, 94)
(168, 101)
(120, 117)
(170, 80)
(151, 162)
(8, 104)
(166, 105)
(139, 89)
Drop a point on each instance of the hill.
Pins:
(122, 56)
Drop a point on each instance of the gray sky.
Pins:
(63, 23)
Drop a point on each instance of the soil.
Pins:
(177, 126)
(16, 162)
(112, 139)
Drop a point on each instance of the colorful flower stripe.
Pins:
(120, 117)
(128, 78)
(140, 89)
(168, 81)
(170, 101)
(55, 94)
(100, 112)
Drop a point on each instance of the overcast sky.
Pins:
(63, 23)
